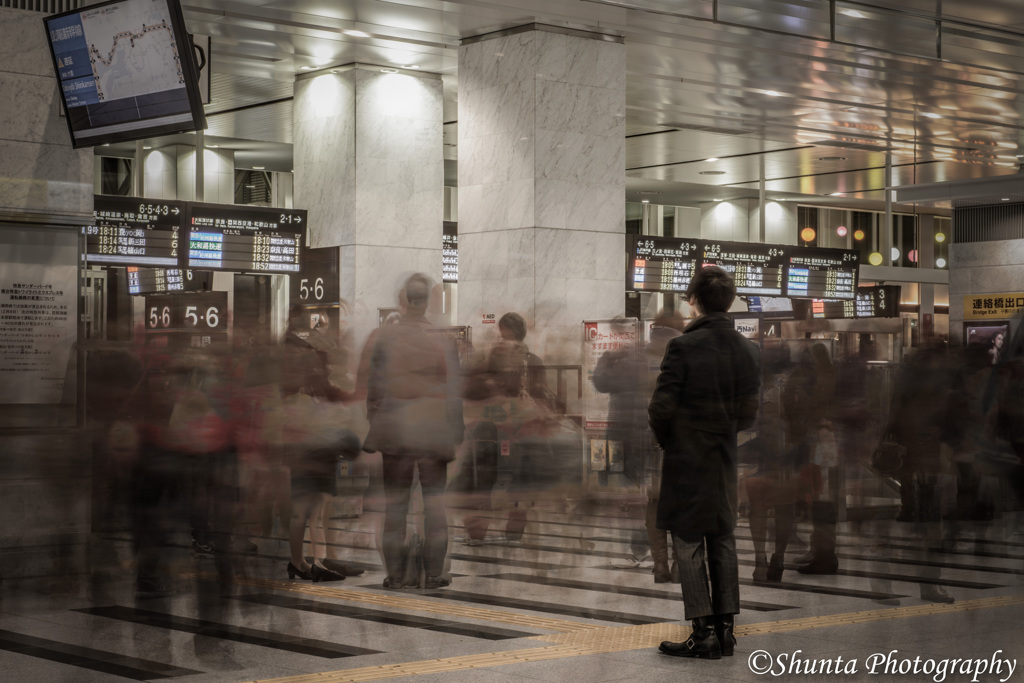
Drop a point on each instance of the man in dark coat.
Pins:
(706, 393)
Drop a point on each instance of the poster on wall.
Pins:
(994, 337)
(38, 308)
(602, 337)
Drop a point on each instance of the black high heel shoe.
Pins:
(321, 574)
(294, 571)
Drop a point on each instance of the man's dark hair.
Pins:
(514, 323)
(713, 288)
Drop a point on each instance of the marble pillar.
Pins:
(542, 182)
(39, 170)
(369, 168)
(170, 173)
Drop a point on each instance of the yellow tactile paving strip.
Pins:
(416, 604)
(603, 640)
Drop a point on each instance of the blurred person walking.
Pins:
(707, 392)
(414, 407)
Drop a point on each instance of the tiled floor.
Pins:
(565, 603)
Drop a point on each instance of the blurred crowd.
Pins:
(234, 446)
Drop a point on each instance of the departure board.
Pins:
(161, 280)
(662, 264)
(756, 268)
(134, 231)
(835, 310)
(880, 301)
(244, 238)
(820, 273)
(450, 252)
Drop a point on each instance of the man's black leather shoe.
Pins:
(702, 643)
(723, 629)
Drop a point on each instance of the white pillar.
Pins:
(542, 181)
(369, 168)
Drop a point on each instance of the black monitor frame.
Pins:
(186, 58)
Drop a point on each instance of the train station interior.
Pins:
(201, 200)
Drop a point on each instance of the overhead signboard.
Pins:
(186, 320)
(143, 281)
(667, 264)
(1002, 306)
(244, 238)
(450, 252)
(756, 268)
(880, 301)
(820, 273)
(134, 232)
(317, 281)
(662, 264)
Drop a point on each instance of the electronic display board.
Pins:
(756, 268)
(880, 301)
(244, 238)
(134, 232)
(820, 273)
(450, 252)
(834, 310)
(162, 280)
(662, 264)
(126, 71)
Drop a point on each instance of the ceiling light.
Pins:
(258, 168)
(389, 71)
(808, 234)
(1005, 199)
(836, 194)
(645, 201)
(841, 231)
(716, 200)
(940, 237)
(895, 253)
(308, 68)
(357, 34)
(410, 66)
(932, 115)
(212, 146)
(940, 262)
(858, 235)
(106, 144)
(875, 259)
(772, 93)
(147, 147)
(711, 159)
(854, 14)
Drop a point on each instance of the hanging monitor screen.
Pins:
(126, 71)
(244, 238)
(820, 273)
(756, 268)
(662, 264)
(137, 232)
